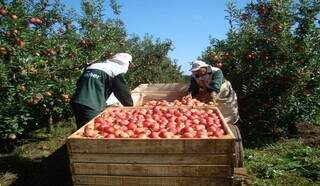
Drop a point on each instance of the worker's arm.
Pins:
(121, 90)
(216, 82)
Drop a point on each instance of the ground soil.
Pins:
(310, 134)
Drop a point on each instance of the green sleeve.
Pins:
(121, 90)
(217, 80)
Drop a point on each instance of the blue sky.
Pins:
(188, 23)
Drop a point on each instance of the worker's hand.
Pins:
(213, 95)
(188, 96)
(115, 105)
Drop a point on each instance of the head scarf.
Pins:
(114, 66)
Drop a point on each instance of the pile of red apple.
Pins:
(188, 101)
(156, 122)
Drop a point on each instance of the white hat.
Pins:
(197, 64)
(122, 58)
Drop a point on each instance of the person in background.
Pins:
(209, 85)
(96, 84)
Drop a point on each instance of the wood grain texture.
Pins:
(218, 171)
(149, 181)
(199, 159)
(84, 145)
(162, 87)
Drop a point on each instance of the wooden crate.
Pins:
(152, 162)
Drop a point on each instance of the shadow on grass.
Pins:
(50, 171)
(256, 135)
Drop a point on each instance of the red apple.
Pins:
(13, 17)
(20, 42)
(3, 11)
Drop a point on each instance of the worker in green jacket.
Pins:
(209, 85)
(97, 83)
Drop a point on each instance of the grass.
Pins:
(7, 178)
(41, 159)
(287, 162)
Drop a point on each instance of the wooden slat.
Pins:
(218, 171)
(84, 145)
(160, 87)
(169, 96)
(141, 98)
(205, 159)
(148, 181)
